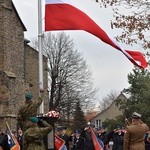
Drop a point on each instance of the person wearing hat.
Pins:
(27, 110)
(88, 143)
(135, 132)
(78, 141)
(34, 135)
(117, 136)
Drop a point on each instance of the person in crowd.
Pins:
(147, 140)
(78, 141)
(57, 132)
(14, 133)
(20, 138)
(88, 143)
(33, 136)
(65, 137)
(27, 110)
(59, 135)
(4, 141)
(117, 136)
(135, 132)
(102, 135)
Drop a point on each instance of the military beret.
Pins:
(136, 115)
(29, 95)
(33, 119)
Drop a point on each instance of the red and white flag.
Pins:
(97, 145)
(63, 15)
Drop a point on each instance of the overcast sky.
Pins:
(109, 66)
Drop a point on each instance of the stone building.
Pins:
(18, 65)
(110, 112)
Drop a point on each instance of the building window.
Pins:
(98, 123)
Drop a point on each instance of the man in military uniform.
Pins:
(28, 110)
(134, 136)
(34, 135)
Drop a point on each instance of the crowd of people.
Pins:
(135, 136)
(30, 135)
(4, 140)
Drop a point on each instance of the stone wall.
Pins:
(18, 65)
(32, 73)
(12, 52)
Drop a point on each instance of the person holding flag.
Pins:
(4, 141)
(12, 141)
(91, 140)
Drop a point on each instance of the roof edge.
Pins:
(24, 28)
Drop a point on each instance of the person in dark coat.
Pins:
(4, 141)
(20, 138)
(147, 140)
(102, 135)
(78, 141)
(86, 134)
(117, 136)
(65, 137)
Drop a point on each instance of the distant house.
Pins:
(90, 115)
(109, 113)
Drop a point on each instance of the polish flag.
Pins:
(64, 15)
(97, 145)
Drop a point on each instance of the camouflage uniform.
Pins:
(26, 111)
(33, 136)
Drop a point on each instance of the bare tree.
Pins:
(135, 23)
(107, 100)
(69, 77)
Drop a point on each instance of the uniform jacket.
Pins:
(103, 137)
(88, 144)
(33, 137)
(26, 111)
(118, 140)
(134, 136)
(66, 139)
(4, 142)
(78, 143)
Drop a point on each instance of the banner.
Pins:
(96, 143)
(59, 143)
(12, 141)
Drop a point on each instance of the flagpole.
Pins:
(41, 108)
